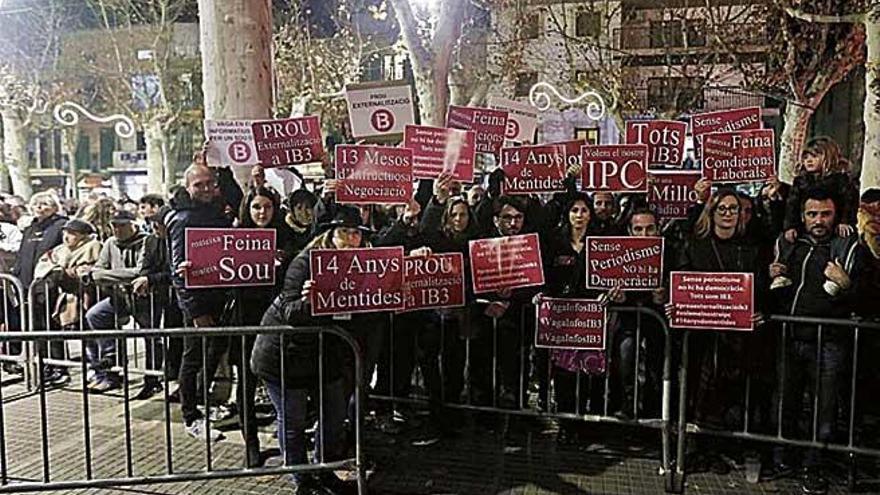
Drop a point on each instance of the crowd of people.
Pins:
(812, 248)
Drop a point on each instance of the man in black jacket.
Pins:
(200, 307)
(823, 268)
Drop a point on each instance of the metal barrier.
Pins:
(40, 317)
(8, 485)
(780, 398)
(15, 305)
(521, 408)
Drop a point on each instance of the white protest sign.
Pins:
(379, 109)
(522, 119)
(230, 142)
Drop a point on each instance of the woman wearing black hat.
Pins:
(292, 307)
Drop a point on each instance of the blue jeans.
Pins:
(104, 315)
(292, 421)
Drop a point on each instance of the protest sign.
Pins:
(740, 156)
(359, 280)
(712, 301)
(373, 174)
(379, 109)
(229, 257)
(672, 193)
(286, 142)
(489, 126)
(615, 168)
(664, 138)
(506, 263)
(538, 169)
(739, 119)
(522, 119)
(438, 149)
(570, 324)
(435, 281)
(230, 142)
(633, 263)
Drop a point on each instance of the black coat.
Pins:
(37, 239)
(301, 350)
(194, 302)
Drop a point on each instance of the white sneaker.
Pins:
(196, 429)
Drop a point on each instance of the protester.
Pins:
(60, 270)
(300, 218)
(299, 383)
(824, 267)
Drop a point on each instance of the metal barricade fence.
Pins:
(783, 399)
(630, 413)
(9, 484)
(15, 318)
(42, 296)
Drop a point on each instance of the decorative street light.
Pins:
(540, 99)
(67, 113)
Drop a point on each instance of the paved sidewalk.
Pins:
(496, 456)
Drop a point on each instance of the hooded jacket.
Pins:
(40, 237)
(120, 261)
(187, 213)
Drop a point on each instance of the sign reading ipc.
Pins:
(615, 168)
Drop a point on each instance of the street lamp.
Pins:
(540, 99)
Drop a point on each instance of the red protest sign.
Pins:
(435, 281)
(437, 149)
(506, 262)
(738, 119)
(229, 257)
(633, 263)
(741, 156)
(664, 138)
(288, 141)
(712, 301)
(537, 169)
(615, 168)
(670, 194)
(570, 324)
(488, 125)
(359, 280)
(373, 174)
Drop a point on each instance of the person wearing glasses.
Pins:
(720, 360)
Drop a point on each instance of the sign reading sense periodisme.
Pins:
(712, 301)
(438, 149)
(671, 193)
(288, 141)
(615, 168)
(229, 257)
(489, 126)
(379, 109)
(664, 138)
(570, 323)
(435, 281)
(522, 119)
(356, 280)
(373, 174)
(538, 169)
(506, 263)
(633, 263)
(230, 142)
(739, 119)
(740, 156)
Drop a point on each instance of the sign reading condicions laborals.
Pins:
(522, 119)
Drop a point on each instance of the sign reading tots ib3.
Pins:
(229, 257)
(379, 109)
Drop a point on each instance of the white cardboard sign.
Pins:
(379, 110)
(230, 142)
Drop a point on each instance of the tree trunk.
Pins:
(155, 139)
(796, 125)
(871, 154)
(5, 186)
(69, 142)
(236, 45)
(15, 152)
